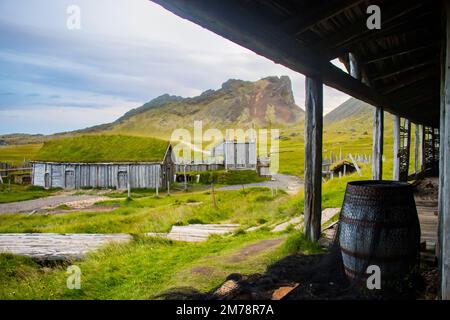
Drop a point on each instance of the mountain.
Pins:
(237, 104)
(352, 108)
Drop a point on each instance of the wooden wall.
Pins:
(76, 176)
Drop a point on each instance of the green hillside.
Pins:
(103, 148)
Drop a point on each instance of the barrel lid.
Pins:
(379, 184)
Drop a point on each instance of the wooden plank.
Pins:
(377, 149)
(313, 157)
(321, 11)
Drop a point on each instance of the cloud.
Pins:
(125, 54)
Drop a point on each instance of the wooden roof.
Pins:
(401, 61)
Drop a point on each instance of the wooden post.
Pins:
(313, 158)
(378, 124)
(377, 150)
(185, 182)
(128, 183)
(396, 169)
(168, 185)
(416, 149)
(407, 146)
(213, 193)
(444, 167)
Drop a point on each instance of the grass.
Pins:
(230, 177)
(17, 154)
(142, 269)
(157, 214)
(103, 148)
(14, 192)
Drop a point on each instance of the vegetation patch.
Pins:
(103, 148)
(230, 177)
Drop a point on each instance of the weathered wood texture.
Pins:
(313, 157)
(416, 148)
(79, 175)
(444, 177)
(196, 232)
(52, 246)
(377, 148)
(396, 165)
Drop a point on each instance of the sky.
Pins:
(125, 53)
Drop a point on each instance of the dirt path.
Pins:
(255, 249)
(288, 183)
(75, 201)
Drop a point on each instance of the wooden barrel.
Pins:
(379, 226)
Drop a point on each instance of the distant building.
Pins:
(236, 155)
(77, 175)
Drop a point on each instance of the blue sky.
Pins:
(126, 53)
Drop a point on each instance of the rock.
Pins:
(228, 288)
(234, 277)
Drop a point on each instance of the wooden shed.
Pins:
(77, 175)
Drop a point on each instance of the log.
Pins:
(313, 157)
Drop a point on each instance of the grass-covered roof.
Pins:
(103, 148)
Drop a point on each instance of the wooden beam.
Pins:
(396, 168)
(377, 147)
(444, 166)
(416, 148)
(313, 158)
(358, 29)
(404, 69)
(322, 11)
(422, 45)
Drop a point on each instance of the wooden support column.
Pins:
(396, 167)
(313, 158)
(378, 125)
(406, 151)
(416, 148)
(377, 149)
(444, 166)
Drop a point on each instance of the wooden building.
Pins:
(397, 56)
(236, 155)
(76, 175)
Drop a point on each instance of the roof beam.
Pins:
(356, 30)
(321, 12)
(422, 45)
(404, 69)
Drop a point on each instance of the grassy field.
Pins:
(147, 267)
(16, 154)
(143, 269)
(14, 192)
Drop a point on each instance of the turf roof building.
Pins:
(156, 172)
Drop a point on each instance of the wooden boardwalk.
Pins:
(52, 246)
(428, 217)
(196, 232)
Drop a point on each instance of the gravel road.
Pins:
(39, 204)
